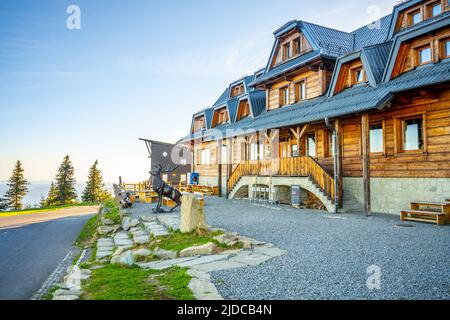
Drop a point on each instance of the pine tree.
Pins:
(52, 197)
(4, 204)
(65, 183)
(17, 188)
(94, 191)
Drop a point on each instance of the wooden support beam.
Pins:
(366, 163)
(338, 128)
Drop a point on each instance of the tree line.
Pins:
(62, 189)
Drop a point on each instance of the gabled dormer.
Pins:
(289, 46)
(220, 116)
(201, 121)
(425, 44)
(414, 12)
(365, 66)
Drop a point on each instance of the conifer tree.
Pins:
(65, 183)
(52, 197)
(94, 191)
(17, 188)
(4, 204)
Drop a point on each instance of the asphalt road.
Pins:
(30, 253)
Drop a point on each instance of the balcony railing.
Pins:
(291, 167)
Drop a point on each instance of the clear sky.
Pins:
(136, 68)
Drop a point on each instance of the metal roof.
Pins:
(372, 34)
(357, 99)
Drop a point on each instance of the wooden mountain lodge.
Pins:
(358, 120)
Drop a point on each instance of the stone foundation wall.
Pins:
(391, 195)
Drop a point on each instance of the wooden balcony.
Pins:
(288, 167)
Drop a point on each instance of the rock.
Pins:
(107, 222)
(232, 239)
(104, 230)
(102, 254)
(141, 253)
(165, 254)
(204, 250)
(141, 239)
(148, 219)
(125, 258)
(71, 292)
(129, 223)
(66, 298)
(192, 214)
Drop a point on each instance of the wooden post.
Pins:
(338, 128)
(220, 160)
(366, 163)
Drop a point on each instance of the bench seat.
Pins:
(439, 218)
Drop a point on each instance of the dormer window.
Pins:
(415, 17)
(237, 90)
(424, 55)
(297, 46)
(287, 51)
(284, 96)
(358, 75)
(199, 123)
(220, 117)
(435, 9)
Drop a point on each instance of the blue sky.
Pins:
(137, 68)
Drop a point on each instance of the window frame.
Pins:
(399, 132)
(287, 51)
(445, 54)
(383, 137)
(309, 134)
(284, 96)
(297, 42)
(432, 5)
(355, 78)
(298, 95)
(412, 14)
(419, 50)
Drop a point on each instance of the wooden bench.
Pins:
(443, 207)
(440, 218)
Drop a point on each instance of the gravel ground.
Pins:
(328, 255)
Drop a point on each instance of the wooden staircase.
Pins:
(286, 167)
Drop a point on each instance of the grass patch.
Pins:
(87, 233)
(40, 210)
(178, 241)
(112, 212)
(50, 292)
(133, 283)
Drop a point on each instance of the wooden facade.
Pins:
(409, 137)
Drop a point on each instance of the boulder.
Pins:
(165, 254)
(126, 259)
(141, 253)
(66, 298)
(204, 250)
(105, 230)
(192, 214)
(129, 223)
(70, 292)
(143, 239)
(148, 219)
(107, 222)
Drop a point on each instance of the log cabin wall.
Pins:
(316, 85)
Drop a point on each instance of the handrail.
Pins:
(299, 166)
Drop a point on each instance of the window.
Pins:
(295, 151)
(300, 91)
(446, 49)
(311, 143)
(415, 17)
(424, 55)
(376, 138)
(358, 75)
(284, 96)
(253, 152)
(297, 46)
(413, 134)
(287, 51)
(436, 10)
(206, 157)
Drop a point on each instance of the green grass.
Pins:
(114, 213)
(50, 292)
(178, 241)
(133, 283)
(39, 210)
(87, 233)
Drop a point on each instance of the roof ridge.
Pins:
(365, 26)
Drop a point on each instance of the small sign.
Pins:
(295, 196)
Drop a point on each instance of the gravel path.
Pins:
(328, 255)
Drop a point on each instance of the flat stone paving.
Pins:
(328, 255)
